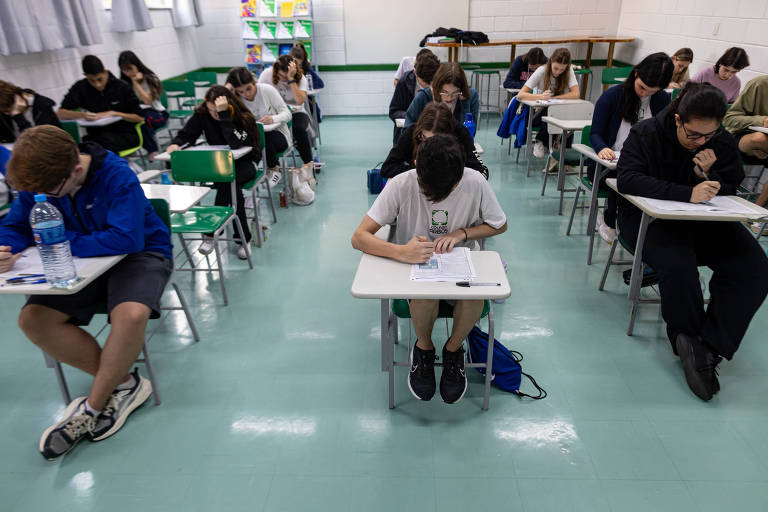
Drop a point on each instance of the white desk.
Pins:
(651, 212)
(180, 198)
(88, 269)
(567, 126)
(602, 168)
(202, 83)
(104, 121)
(236, 153)
(400, 122)
(148, 175)
(386, 279)
(762, 129)
(533, 104)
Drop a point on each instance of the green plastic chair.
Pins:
(259, 180)
(73, 129)
(202, 78)
(610, 75)
(206, 166)
(187, 90)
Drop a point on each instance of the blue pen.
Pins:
(22, 277)
(37, 281)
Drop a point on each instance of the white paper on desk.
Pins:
(716, 204)
(222, 147)
(30, 263)
(453, 266)
(549, 102)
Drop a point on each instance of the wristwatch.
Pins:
(294, 81)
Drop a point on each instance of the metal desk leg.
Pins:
(561, 170)
(636, 281)
(489, 358)
(387, 350)
(529, 142)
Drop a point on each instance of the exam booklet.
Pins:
(452, 266)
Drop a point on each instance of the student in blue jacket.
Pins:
(523, 67)
(105, 213)
(449, 86)
(641, 96)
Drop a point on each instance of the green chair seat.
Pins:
(582, 71)
(602, 194)
(72, 128)
(191, 103)
(252, 183)
(401, 309)
(572, 157)
(201, 219)
(180, 114)
(610, 75)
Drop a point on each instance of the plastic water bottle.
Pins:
(469, 124)
(51, 240)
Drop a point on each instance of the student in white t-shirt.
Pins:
(148, 89)
(287, 78)
(438, 206)
(268, 108)
(556, 80)
(408, 64)
(640, 97)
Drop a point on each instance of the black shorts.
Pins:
(139, 277)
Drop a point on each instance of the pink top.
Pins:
(730, 87)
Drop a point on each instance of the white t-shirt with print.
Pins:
(643, 112)
(284, 88)
(269, 103)
(536, 81)
(471, 203)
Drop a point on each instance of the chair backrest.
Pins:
(202, 76)
(162, 210)
(675, 92)
(185, 86)
(585, 132)
(217, 166)
(610, 75)
(574, 111)
(128, 151)
(72, 128)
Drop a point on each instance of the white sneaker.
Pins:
(305, 173)
(608, 234)
(241, 253)
(539, 151)
(274, 178)
(207, 246)
(120, 405)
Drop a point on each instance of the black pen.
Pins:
(467, 284)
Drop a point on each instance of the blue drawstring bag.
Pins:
(507, 372)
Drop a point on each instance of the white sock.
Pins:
(90, 409)
(127, 384)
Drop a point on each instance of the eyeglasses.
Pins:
(61, 187)
(446, 94)
(696, 135)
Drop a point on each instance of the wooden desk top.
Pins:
(552, 40)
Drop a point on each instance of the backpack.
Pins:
(375, 181)
(507, 372)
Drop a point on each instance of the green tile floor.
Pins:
(282, 407)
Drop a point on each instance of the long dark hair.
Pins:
(655, 71)
(700, 101)
(299, 52)
(561, 56)
(242, 118)
(734, 57)
(449, 73)
(535, 57)
(281, 64)
(128, 58)
(240, 76)
(435, 118)
(439, 166)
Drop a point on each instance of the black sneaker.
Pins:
(699, 365)
(421, 378)
(453, 382)
(62, 436)
(121, 404)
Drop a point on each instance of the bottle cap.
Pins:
(40, 197)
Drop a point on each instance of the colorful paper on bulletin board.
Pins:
(251, 29)
(301, 8)
(303, 28)
(247, 8)
(253, 53)
(269, 30)
(285, 48)
(269, 52)
(267, 8)
(285, 30)
(286, 9)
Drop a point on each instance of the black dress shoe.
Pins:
(699, 366)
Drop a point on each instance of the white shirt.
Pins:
(536, 81)
(284, 88)
(406, 65)
(268, 102)
(156, 103)
(643, 112)
(471, 203)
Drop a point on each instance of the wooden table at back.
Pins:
(453, 48)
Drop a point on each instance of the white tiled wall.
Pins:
(166, 50)
(708, 27)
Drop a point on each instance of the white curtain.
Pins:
(27, 27)
(185, 13)
(130, 15)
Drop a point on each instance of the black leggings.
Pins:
(243, 174)
(274, 142)
(737, 289)
(543, 135)
(301, 136)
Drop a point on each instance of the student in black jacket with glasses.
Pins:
(683, 154)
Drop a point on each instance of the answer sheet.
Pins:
(453, 266)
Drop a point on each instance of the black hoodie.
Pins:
(42, 113)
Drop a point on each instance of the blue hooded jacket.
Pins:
(514, 123)
(109, 215)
